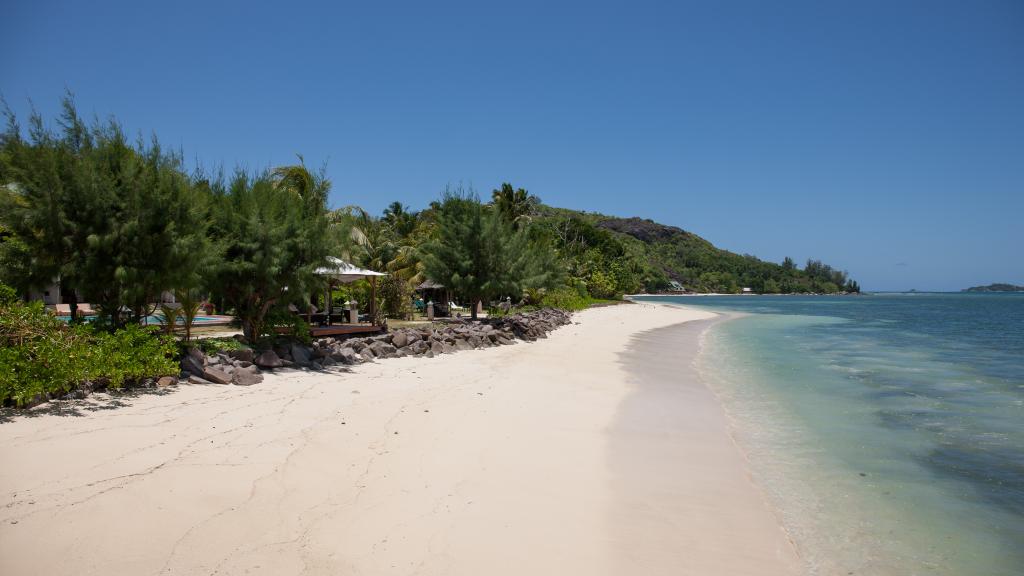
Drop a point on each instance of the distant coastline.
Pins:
(997, 287)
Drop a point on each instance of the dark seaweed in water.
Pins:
(996, 475)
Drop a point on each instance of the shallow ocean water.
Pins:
(887, 429)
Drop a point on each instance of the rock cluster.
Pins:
(455, 336)
(243, 367)
(231, 367)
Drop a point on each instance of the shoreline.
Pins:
(520, 459)
(675, 438)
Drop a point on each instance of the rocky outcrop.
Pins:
(244, 366)
(455, 336)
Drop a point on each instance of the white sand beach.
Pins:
(571, 455)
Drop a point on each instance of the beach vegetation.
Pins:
(270, 228)
(42, 356)
(479, 253)
(117, 222)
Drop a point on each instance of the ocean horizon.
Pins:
(886, 429)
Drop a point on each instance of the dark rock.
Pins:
(300, 354)
(345, 356)
(382, 349)
(217, 375)
(197, 380)
(246, 379)
(269, 359)
(243, 354)
(193, 362)
(399, 339)
(250, 369)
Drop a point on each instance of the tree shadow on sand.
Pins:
(79, 407)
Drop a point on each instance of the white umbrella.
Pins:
(340, 271)
(345, 272)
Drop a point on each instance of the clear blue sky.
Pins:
(884, 137)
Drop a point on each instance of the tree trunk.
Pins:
(373, 300)
(474, 304)
(73, 304)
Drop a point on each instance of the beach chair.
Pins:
(62, 309)
(86, 309)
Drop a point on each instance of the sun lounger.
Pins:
(62, 309)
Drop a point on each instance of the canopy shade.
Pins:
(344, 272)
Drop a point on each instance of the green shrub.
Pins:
(41, 355)
(214, 345)
(7, 295)
(568, 298)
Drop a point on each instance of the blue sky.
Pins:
(883, 137)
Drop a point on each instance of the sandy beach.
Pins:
(595, 451)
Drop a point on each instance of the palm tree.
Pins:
(517, 205)
(398, 218)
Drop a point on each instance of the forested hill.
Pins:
(643, 255)
(998, 287)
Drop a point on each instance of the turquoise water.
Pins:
(887, 429)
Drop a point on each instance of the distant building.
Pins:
(748, 291)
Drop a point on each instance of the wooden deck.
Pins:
(343, 330)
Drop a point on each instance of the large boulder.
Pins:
(400, 339)
(243, 354)
(245, 378)
(193, 362)
(300, 354)
(268, 359)
(382, 349)
(217, 375)
(345, 356)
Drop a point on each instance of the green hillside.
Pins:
(627, 255)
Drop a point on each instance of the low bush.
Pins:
(570, 299)
(214, 345)
(41, 355)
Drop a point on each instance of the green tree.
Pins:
(399, 221)
(480, 256)
(116, 222)
(272, 230)
(517, 206)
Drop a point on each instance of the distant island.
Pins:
(995, 288)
